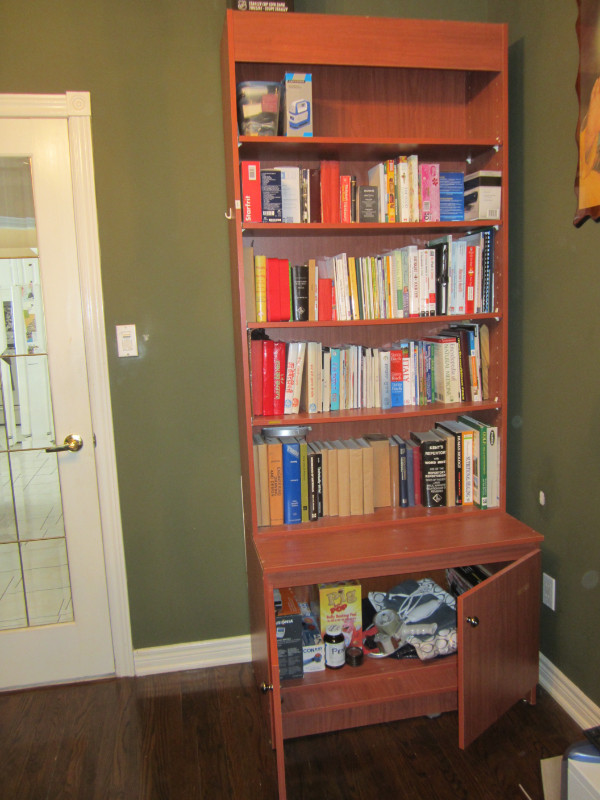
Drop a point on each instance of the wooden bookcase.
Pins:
(382, 87)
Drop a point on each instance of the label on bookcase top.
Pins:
(261, 5)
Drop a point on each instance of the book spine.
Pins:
(279, 369)
(345, 198)
(268, 384)
(335, 379)
(292, 489)
(260, 287)
(251, 194)
(275, 466)
(433, 474)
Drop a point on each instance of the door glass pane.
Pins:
(34, 572)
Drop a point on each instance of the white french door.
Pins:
(54, 608)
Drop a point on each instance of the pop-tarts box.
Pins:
(298, 106)
(340, 602)
(288, 631)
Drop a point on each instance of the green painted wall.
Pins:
(153, 72)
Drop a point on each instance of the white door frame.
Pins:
(75, 107)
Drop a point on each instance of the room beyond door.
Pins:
(54, 616)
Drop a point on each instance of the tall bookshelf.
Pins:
(382, 88)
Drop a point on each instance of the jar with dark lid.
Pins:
(335, 649)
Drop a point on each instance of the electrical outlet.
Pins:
(549, 591)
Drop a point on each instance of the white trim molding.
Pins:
(578, 706)
(75, 107)
(194, 655)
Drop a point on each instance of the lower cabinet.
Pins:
(496, 663)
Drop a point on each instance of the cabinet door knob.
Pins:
(266, 687)
(473, 621)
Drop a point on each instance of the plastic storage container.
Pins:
(258, 108)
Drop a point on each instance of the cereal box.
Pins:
(340, 602)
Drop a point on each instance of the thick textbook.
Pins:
(292, 486)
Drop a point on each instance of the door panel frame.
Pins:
(75, 107)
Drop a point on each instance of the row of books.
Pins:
(461, 579)
(457, 463)
(450, 276)
(447, 367)
(398, 190)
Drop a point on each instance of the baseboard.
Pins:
(194, 655)
(579, 707)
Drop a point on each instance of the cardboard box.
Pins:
(298, 107)
(288, 629)
(483, 195)
(340, 602)
(313, 646)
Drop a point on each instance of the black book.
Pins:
(368, 204)
(300, 292)
(433, 468)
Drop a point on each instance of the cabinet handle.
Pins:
(266, 687)
(473, 621)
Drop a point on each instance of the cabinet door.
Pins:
(498, 658)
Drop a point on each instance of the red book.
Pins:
(285, 294)
(278, 377)
(256, 369)
(470, 284)
(325, 287)
(345, 198)
(251, 197)
(417, 474)
(330, 191)
(268, 383)
(273, 303)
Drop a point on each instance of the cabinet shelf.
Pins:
(363, 149)
(368, 414)
(357, 323)
(362, 228)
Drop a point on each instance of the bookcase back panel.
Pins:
(357, 102)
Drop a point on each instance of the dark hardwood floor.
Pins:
(199, 734)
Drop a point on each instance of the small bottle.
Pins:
(335, 649)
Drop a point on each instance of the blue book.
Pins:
(335, 379)
(292, 486)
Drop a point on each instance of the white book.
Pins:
(385, 383)
(413, 188)
(326, 379)
(290, 376)
(298, 378)
(376, 176)
(290, 194)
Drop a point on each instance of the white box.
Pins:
(298, 119)
(483, 195)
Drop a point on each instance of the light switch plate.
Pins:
(126, 341)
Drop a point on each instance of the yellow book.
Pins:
(260, 287)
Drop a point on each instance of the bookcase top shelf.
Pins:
(366, 41)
